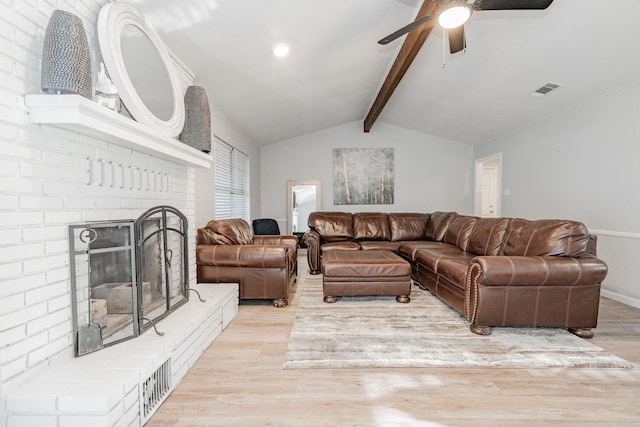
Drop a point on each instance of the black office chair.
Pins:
(266, 227)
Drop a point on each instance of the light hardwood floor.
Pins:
(239, 381)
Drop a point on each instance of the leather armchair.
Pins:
(265, 267)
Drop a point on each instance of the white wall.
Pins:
(230, 133)
(583, 164)
(430, 173)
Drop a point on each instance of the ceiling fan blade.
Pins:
(511, 4)
(457, 40)
(404, 30)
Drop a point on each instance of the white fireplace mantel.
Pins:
(79, 114)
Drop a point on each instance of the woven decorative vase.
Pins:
(197, 120)
(66, 61)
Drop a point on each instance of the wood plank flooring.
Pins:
(239, 381)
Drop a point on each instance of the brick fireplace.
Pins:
(65, 176)
(57, 186)
(55, 172)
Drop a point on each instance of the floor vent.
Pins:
(546, 89)
(154, 390)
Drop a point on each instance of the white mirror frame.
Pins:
(112, 20)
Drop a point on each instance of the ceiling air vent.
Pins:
(544, 90)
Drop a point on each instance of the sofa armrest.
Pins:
(264, 256)
(312, 240)
(291, 242)
(528, 271)
(536, 271)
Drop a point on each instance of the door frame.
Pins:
(290, 187)
(495, 160)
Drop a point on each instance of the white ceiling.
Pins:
(336, 67)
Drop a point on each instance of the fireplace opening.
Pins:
(126, 276)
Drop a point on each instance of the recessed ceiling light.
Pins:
(281, 50)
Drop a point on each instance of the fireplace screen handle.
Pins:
(88, 235)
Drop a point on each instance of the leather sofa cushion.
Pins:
(545, 237)
(431, 258)
(438, 224)
(455, 270)
(487, 236)
(204, 236)
(227, 232)
(332, 226)
(411, 248)
(407, 226)
(371, 226)
(344, 245)
(380, 245)
(459, 231)
(591, 250)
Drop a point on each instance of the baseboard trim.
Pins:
(615, 234)
(633, 302)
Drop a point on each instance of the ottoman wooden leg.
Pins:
(329, 299)
(403, 298)
(582, 332)
(480, 330)
(280, 302)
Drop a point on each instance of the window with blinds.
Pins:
(232, 182)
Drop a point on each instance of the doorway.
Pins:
(303, 197)
(488, 181)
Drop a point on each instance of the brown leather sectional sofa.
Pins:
(494, 271)
(265, 267)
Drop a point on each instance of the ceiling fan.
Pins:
(452, 14)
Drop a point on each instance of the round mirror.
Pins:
(141, 68)
(145, 68)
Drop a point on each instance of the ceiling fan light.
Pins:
(454, 16)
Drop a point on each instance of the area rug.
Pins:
(378, 332)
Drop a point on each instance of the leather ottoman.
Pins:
(365, 273)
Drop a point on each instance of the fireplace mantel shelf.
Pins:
(76, 113)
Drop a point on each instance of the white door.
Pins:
(487, 186)
(488, 190)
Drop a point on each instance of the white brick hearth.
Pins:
(103, 388)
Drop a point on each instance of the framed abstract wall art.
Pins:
(363, 176)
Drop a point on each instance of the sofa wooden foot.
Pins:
(403, 298)
(329, 299)
(582, 333)
(480, 330)
(280, 302)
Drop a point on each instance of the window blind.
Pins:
(232, 182)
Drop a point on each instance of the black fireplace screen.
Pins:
(162, 260)
(126, 276)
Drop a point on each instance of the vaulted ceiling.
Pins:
(336, 67)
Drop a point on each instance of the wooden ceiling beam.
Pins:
(410, 48)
